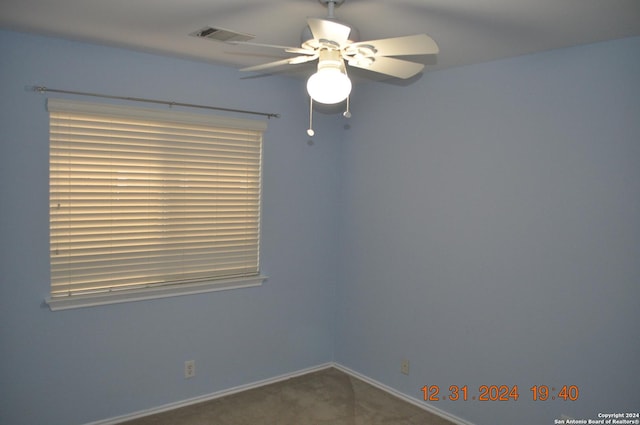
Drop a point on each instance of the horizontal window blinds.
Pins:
(141, 197)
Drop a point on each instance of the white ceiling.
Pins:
(467, 31)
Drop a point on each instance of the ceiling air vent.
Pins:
(220, 34)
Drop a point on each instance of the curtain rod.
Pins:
(42, 89)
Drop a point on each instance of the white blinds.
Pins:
(141, 197)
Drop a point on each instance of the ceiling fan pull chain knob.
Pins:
(347, 112)
(310, 131)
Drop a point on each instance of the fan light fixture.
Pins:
(335, 44)
(330, 84)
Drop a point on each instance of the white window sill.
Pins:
(90, 300)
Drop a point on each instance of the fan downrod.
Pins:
(335, 2)
(331, 4)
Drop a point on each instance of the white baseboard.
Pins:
(421, 404)
(207, 397)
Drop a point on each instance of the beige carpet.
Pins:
(325, 397)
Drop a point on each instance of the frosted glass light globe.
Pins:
(329, 85)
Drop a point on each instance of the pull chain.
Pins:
(310, 131)
(347, 113)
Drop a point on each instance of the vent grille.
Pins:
(220, 34)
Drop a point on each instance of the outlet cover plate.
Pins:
(404, 367)
(189, 369)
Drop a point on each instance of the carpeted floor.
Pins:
(325, 397)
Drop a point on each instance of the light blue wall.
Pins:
(481, 222)
(491, 232)
(78, 366)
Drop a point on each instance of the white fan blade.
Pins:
(302, 59)
(300, 51)
(419, 44)
(329, 30)
(393, 67)
(289, 61)
(273, 46)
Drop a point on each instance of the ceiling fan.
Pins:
(335, 45)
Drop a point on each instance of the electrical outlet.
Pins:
(189, 369)
(404, 367)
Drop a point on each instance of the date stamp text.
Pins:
(499, 393)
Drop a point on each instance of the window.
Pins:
(147, 203)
